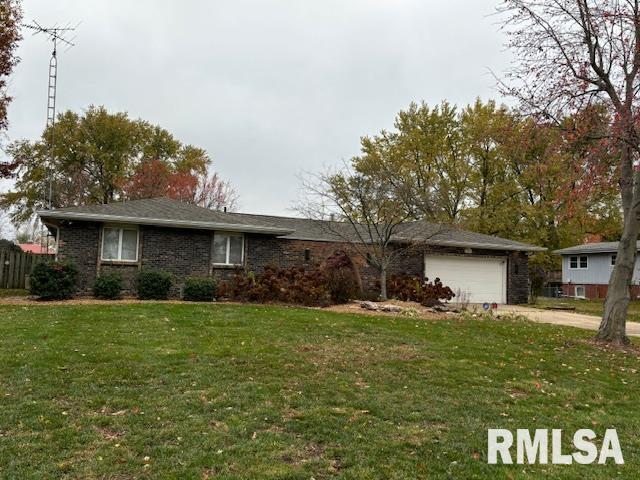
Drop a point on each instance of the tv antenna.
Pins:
(58, 36)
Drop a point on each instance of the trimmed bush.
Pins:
(108, 287)
(54, 280)
(154, 284)
(199, 289)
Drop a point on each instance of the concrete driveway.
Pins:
(559, 317)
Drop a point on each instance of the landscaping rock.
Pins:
(391, 308)
(369, 306)
(385, 307)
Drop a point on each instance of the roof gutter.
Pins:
(481, 245)
(487, 246)
(228, 227)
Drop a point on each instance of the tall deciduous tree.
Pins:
(492, 171)
(101, 157)
(424, 159)
(10, 16)
(494, 196)
(573, 54)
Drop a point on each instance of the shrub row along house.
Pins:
(188, 240)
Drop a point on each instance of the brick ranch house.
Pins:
(187, 240)
(586, 270)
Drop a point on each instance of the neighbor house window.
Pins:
(578, 262)
(228, 248)
(613, 259)
(120, 244)
(580, 291)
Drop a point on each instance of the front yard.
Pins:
(589, 307)
(224, 391)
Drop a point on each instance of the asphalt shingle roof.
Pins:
(172, 213)
(600, 247)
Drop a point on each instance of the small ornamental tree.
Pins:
(367, 214)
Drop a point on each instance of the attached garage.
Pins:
(484, 279)
(178, 237)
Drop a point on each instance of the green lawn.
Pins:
(13, 292)
(591, 307)
(222, 391)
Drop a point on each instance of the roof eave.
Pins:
(583, 251)
(479, 245)
(196, 225)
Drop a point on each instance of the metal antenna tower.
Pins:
(56, 35)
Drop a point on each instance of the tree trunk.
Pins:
(613, 326)
(614, 318)
(383, 283)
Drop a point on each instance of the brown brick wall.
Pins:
(78, 242)
(181, 252)
(188, 253)
(517, 278)
(128, 272)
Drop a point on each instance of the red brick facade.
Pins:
(594, 291)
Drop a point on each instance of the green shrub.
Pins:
(199, 289)
(108, 286)
(154, 284)
(54, 280)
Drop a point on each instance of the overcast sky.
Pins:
(270, 88)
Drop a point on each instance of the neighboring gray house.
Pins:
(187, 240)
(586, 270)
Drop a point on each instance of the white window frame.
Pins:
(120, 229)
(228, 235)
(578, 257)
(584, 291)
(614, 256)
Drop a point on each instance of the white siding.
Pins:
(598, 270)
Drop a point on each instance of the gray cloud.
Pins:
(269, 87)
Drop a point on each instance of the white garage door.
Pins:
(484, 279)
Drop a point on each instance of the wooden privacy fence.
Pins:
(14, 268)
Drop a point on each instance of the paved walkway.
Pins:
(559, 317)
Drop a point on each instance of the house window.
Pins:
(613, 259)
(578, 262)
(120, 244)
(580, 291)
(228, 248)
(307, 254)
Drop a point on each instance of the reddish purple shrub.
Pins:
(408, 288)
(289, 285)
(340, 276)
